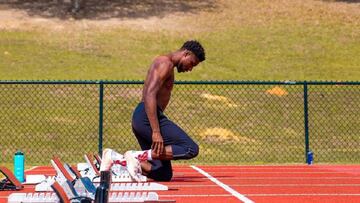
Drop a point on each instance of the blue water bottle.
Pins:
(310, 157)
(19, 166)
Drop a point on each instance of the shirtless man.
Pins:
(160, 139)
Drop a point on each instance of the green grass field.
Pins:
(244, 40)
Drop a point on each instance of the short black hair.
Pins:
(196, 48)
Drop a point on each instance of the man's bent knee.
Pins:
(192, 151)
(161, 175)
(164, 177)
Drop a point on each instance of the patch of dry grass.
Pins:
(224, 13)
(220, 136)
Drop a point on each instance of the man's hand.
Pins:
(157, 143)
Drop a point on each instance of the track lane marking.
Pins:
(224, 186)
(271, 185)
(305, 194)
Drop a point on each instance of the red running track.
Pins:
(288, 183)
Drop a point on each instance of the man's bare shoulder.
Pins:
(163, 61)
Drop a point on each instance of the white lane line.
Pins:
(214, 195)
(252, 195)
(272, 172)
(225, 187)
(286, 178)
(275, 195)
(261, 167)
(273, 185)
(261, 195)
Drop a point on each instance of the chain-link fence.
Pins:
(233, 122)
(334, 123)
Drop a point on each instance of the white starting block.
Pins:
(32, 197)
(122, 175)
(34, 179)
(134, 197)
(52, 197)
(66, 191)
(136, 187)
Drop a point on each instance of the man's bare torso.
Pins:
(163, 96)
(165, 84)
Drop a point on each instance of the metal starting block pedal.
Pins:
(60, 177)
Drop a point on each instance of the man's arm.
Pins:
(157, 75)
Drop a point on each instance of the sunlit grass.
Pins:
(244, 40)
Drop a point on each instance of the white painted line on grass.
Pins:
(225, 187)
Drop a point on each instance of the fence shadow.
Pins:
(105, 9)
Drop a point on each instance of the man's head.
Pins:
(193, 54)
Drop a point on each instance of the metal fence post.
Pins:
(101, 108)
(306, 120)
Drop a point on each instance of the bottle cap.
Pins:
(19, 153)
